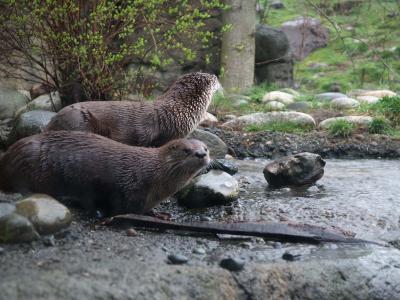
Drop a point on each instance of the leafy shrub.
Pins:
(379, 125)
(83, 48)
(341, 128)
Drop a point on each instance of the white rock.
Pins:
(356, 120)
(275, 105)
(272, 117)
(344, 103)
(379, 93)
(282, 97)
(329, 96)
(43, 102)
(367, 99)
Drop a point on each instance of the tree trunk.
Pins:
(238, 45)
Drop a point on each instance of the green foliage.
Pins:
(288, 127)
(92, 42)
(390, 108)
(379, 125)
(341, 128)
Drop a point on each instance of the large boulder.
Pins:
(299, 118)
(379, 93)
(49, 102)
(216, 146)
(215, 187)
(274, 61)
(29, 123)
(282, 97)
(295, 170)
(344, 103)
(356, 120)
(305, 35)
(10, 102)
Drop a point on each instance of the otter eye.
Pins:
(205, 149)
(187, 150)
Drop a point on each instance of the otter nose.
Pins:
(200, 154)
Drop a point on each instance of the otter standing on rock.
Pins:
(100, 173)
(172, 115)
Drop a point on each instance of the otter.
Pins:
(150, 124)
(100, 173)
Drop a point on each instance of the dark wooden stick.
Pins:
(271, 231)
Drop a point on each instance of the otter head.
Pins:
(185, 157)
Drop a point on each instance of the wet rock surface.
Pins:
(93, 261)
(214, 188)
(296, 170)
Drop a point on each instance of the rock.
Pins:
(1, 251)
(43, 102)
(329, 96)
(356, 120)
(6, 209)
(215, 145)
(39, 89)
(335, 87)
(277, 4)
(279, 71)
(213, 188)
(299, 106)
(271, 43)
(368, 99)
(205, 219)
(229, 117)
(10, 102)
(131, 232)
(291, 91)
(45, 213)
(49, 241)
(299, 118)
(282, 97)
(295, 170)
(238, 100)
(290, 257)
(177, 259)
(275, 106)
(305, 35)
(209, 120)
(232, 264)
(26, 94)
(15, 228)
(29, 123)
(380, 93)
(344, 103)
(200, 251)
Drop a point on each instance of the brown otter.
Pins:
(102, 173)
(172, 115)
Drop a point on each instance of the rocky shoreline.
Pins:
(269, 144)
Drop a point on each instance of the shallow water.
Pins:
(355, 196)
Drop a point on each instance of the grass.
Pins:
(257, 92)
(341, 128)
(390, 108)
(379, 125)
(287, 127)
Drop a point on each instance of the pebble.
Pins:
(131, 232)
(205, 219)
(1, 251)
(177, 259)
(49, 241)
(277, 245)
(232, 264)
(199, 251)
(290, 257)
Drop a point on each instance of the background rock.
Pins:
(282, 97)
(356, 120)
(344, 103)
(215, 145)
(15, 228)
(10, 102)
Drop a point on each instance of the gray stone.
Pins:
(368, 99)
(278, 71)
(200, 251)
(275, 106)
(15, 229)
(238, 100)
(299, 106)
(29, 123)
(344, 103)
(380, 93)
(44, 102)
(295, 170)
(329, 96)
(291, 91)
(282, 97)
(209, 120)
(271, 43)
(215, 145)
(177, 259)
(45, 213)
(277, 4)
(10, 102)
(299, 118)
(305, 35)
(232, 264)
(213, 188)
(356, 120)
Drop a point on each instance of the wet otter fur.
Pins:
(101, 173)
(172, 115)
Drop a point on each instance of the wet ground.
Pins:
(359, 196)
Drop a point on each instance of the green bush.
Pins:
(390, 108)
(379, 125)
(341, 128)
